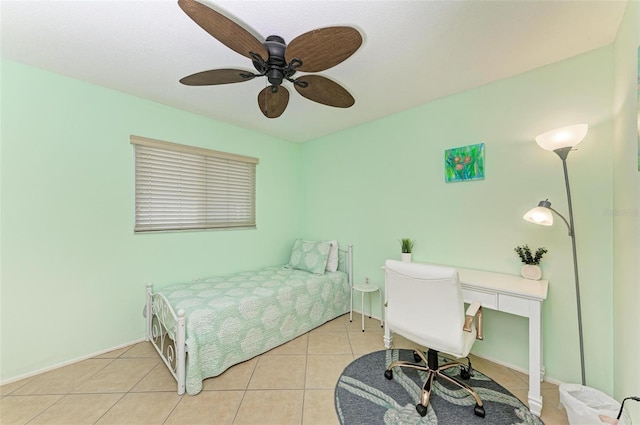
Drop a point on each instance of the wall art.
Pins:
(464, 163)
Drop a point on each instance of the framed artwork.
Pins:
(464, 163)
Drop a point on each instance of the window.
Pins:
(181, 187)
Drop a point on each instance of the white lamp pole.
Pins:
(562, 141)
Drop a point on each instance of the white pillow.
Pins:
(332, 261)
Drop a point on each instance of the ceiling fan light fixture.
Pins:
(274, 75)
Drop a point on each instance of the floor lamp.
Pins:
(562, 141)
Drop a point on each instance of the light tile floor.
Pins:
(131, 386)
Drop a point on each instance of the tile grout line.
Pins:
(111, 360)
(123, 394)
(40, 413)
(246, 388)
(66, 394)
(132, 386)
(164, 421)
(107, 411)
(304, 381)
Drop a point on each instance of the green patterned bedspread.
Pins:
(233, 318)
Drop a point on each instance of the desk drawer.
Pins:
(487, 299)
(513, 305)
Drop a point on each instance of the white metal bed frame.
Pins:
(169, 341)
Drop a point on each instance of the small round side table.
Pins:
(366, 288)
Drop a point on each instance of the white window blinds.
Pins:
(181, 187)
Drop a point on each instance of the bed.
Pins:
(203, 327)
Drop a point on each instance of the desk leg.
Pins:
(387, 338)
(535, 357)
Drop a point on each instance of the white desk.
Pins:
(515, 295)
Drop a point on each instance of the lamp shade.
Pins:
(539, 215)
(564, 137)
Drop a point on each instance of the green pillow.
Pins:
(310, 256)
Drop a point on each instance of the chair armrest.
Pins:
(473, 308)
(474, 311)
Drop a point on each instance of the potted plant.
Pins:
(531, 268)
(406, 246)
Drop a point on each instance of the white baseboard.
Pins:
(518, 369)
(67, 363)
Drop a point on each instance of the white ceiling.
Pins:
(413, 51)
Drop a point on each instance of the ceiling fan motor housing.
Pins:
(276, 62)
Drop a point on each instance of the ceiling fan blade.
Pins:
(271, 104)
(323, 48)
(325, 91)
(217, 76)
(224, 29)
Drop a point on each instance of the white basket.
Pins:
(588, 406)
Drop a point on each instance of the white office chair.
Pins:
(425, 305)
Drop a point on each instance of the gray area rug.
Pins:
(364, 396)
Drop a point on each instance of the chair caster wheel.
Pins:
(464, 374)
(388, 374)
(416, 357)
(479, 411)
(422, 410)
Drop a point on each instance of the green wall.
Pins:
(626, 220)
(73, 272)
(383, 181)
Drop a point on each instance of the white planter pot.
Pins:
(406, 257)
(531, 271)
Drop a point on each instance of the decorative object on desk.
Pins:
(531, 272)
(464, 163)
(406, 246)
(531, 269)
(364, 396)
(562, 141)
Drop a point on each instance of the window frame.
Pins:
(186, 188)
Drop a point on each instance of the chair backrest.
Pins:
(425, 305)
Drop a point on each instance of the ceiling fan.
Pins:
(313, 51)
